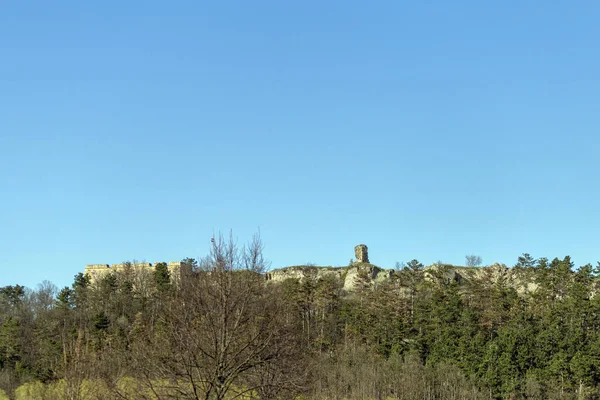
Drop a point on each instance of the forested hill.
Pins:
(225, 330)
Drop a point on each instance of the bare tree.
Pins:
(223, 335)
(473, 260)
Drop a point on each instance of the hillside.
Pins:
(222, 327)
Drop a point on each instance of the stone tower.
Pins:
(362, 253)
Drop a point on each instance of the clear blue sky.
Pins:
(428, 130)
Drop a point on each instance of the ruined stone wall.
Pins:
(97, 271)
(177, 269)
(362, 253)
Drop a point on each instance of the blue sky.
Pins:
(428, 130)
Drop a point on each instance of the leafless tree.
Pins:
(223, 335)
(473, 260)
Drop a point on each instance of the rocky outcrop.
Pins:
(519, 279)
(301, 272)
(374, 274)
(348, 277)
(364, 273)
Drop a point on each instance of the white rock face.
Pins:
(302, 272)
(348, 276)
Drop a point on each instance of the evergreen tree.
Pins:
(162, 277)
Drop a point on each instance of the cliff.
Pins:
(348, 275)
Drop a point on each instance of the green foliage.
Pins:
(81, 281)
(526, 261)
(192, 262)
(101, 322)
(162, 277)
(10, 343)
(13, 294)
(64, 298)
(424, 332)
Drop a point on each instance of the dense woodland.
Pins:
(222, 332)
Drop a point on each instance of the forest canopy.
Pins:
(223, 331)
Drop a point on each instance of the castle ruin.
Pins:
(361, 252)
(98, 271)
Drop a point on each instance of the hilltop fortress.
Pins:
(97, 271)
(347, 275)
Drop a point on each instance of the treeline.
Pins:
(223, 332)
